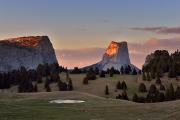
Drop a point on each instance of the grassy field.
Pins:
(36, 106)
(97, 106)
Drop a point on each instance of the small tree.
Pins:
(172, 93)
(124, 95)
(35, 88)
(144, 76)
(158, 80)
(134, 72)
(124, 86)
(106, 90)
(160, 97)
(135, 98)
(162, 87)
(148, 77)
(85, 81)
(177, 93)
(119, 86)
(102, 74)
(70, 84)
(142, 88)
(48, 88)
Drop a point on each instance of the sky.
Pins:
(80, 30)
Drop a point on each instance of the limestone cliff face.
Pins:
(26, 51)
(116, 55)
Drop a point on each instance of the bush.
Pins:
(142, 88)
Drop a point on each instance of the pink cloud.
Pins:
(163, 30)
(138, 52)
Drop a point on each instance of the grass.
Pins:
(36, 106)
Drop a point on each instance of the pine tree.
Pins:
(124, 86)
(85, 81)
(102, 74)
(35, 88)
(177, 93)
(144, 76)
(135, 98)
(172, 93)
(148, 77)
(70, 85)
(119, 86)
(142, 88)
(106, 90)
(162, 87)
(158, 80)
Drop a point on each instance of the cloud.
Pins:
(160, 30)
(138, 52)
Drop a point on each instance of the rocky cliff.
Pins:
(26, 51)
(116, 55)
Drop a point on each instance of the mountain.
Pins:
(26, 51)
(116, 55)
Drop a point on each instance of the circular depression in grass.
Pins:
(66, 101)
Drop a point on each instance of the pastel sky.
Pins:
(80, 30)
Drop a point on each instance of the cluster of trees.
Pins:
(123, 87)
(27, 80)
(155, 95)
(161, 62)
(123, 70)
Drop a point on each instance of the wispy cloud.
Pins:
(160, 30)
(138, 52)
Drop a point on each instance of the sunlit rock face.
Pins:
(26, 51)
(116, 55)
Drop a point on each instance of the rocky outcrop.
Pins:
(26, 51)
(116, 55)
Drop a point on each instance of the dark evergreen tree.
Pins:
(102, 74)
(35, 88)
(142, 87)
(106, 90)
(177, 93)
(124, 86)
(119, 86)
(144, 76)
(134, 72)
(162, 87)
(122, 70)
(135, 98)
(70, 85)
(158, 80)
(148, 76)
(85, 81)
